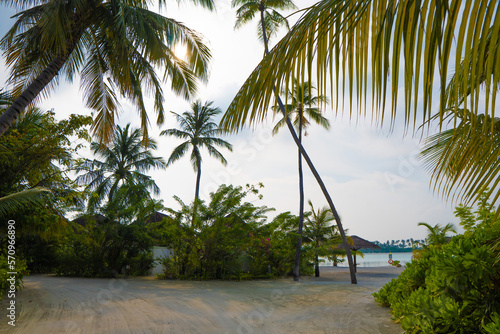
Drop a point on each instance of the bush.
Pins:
(105, 249)
(454, 287)
(228, 240)
(20, 268)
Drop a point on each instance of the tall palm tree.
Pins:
(302, 103)
(114, 45)
(437, 233)
(318, 232)
(200, 131)
(229, 119)
(122, 164)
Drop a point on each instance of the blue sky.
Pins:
(374, 177)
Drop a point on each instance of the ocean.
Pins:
(374, 260)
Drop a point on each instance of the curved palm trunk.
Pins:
(10, 116)
(296, 269)
(345, 244)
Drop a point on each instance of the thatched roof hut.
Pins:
(358, 243)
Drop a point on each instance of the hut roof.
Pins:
(359, 243)
(156, 217)
(98, 218)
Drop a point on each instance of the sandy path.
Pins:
(326, 305)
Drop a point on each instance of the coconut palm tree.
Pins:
(437, 233)
(270, 20)
(229, 120)
(114, 45)
(200, 131)
(302, 103)
(122, 164)
(317, 232)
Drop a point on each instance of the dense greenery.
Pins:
(37, 152)
(103, 248)
(453, 287)
(231, 239)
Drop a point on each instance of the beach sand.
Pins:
(329, 304)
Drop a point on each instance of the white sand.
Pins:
(328, 304)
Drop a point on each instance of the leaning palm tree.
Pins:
(122, 164)
(200, 131)
(302, 103)
(317, 232)
(115, 46)
(229, 120)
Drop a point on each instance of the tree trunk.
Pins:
(264, 33)
(197, 190)
(296, 269)
(316, 266)
(10, 116)
(325, 193)
(312, 168)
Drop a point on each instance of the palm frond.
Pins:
(17, 201)
(465, 160)
(334, 41)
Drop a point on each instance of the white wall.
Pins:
(159, 252)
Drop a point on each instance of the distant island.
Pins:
(395, 246)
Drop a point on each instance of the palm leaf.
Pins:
(20, 200)
(334, 41)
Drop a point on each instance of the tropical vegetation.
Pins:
(119, 167)
(453, 286)
(232, 239)
(116, 47)
(200, 131)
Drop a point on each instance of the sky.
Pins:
(374, 177)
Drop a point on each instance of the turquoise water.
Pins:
(375, 260)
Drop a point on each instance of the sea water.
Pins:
(374, 260)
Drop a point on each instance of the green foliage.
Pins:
(104, 248)
(119, 170)
(21, 269)
(116, 47)
(229, 239)
(452, 287)
(37, 151)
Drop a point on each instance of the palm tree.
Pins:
(122, 164)
(437, 233)
(302, 102)
(270, 20)
(229, 119)
(115, 46)
(199, 130)
(318, 232)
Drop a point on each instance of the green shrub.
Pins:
(454, 287)
(21, 270)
